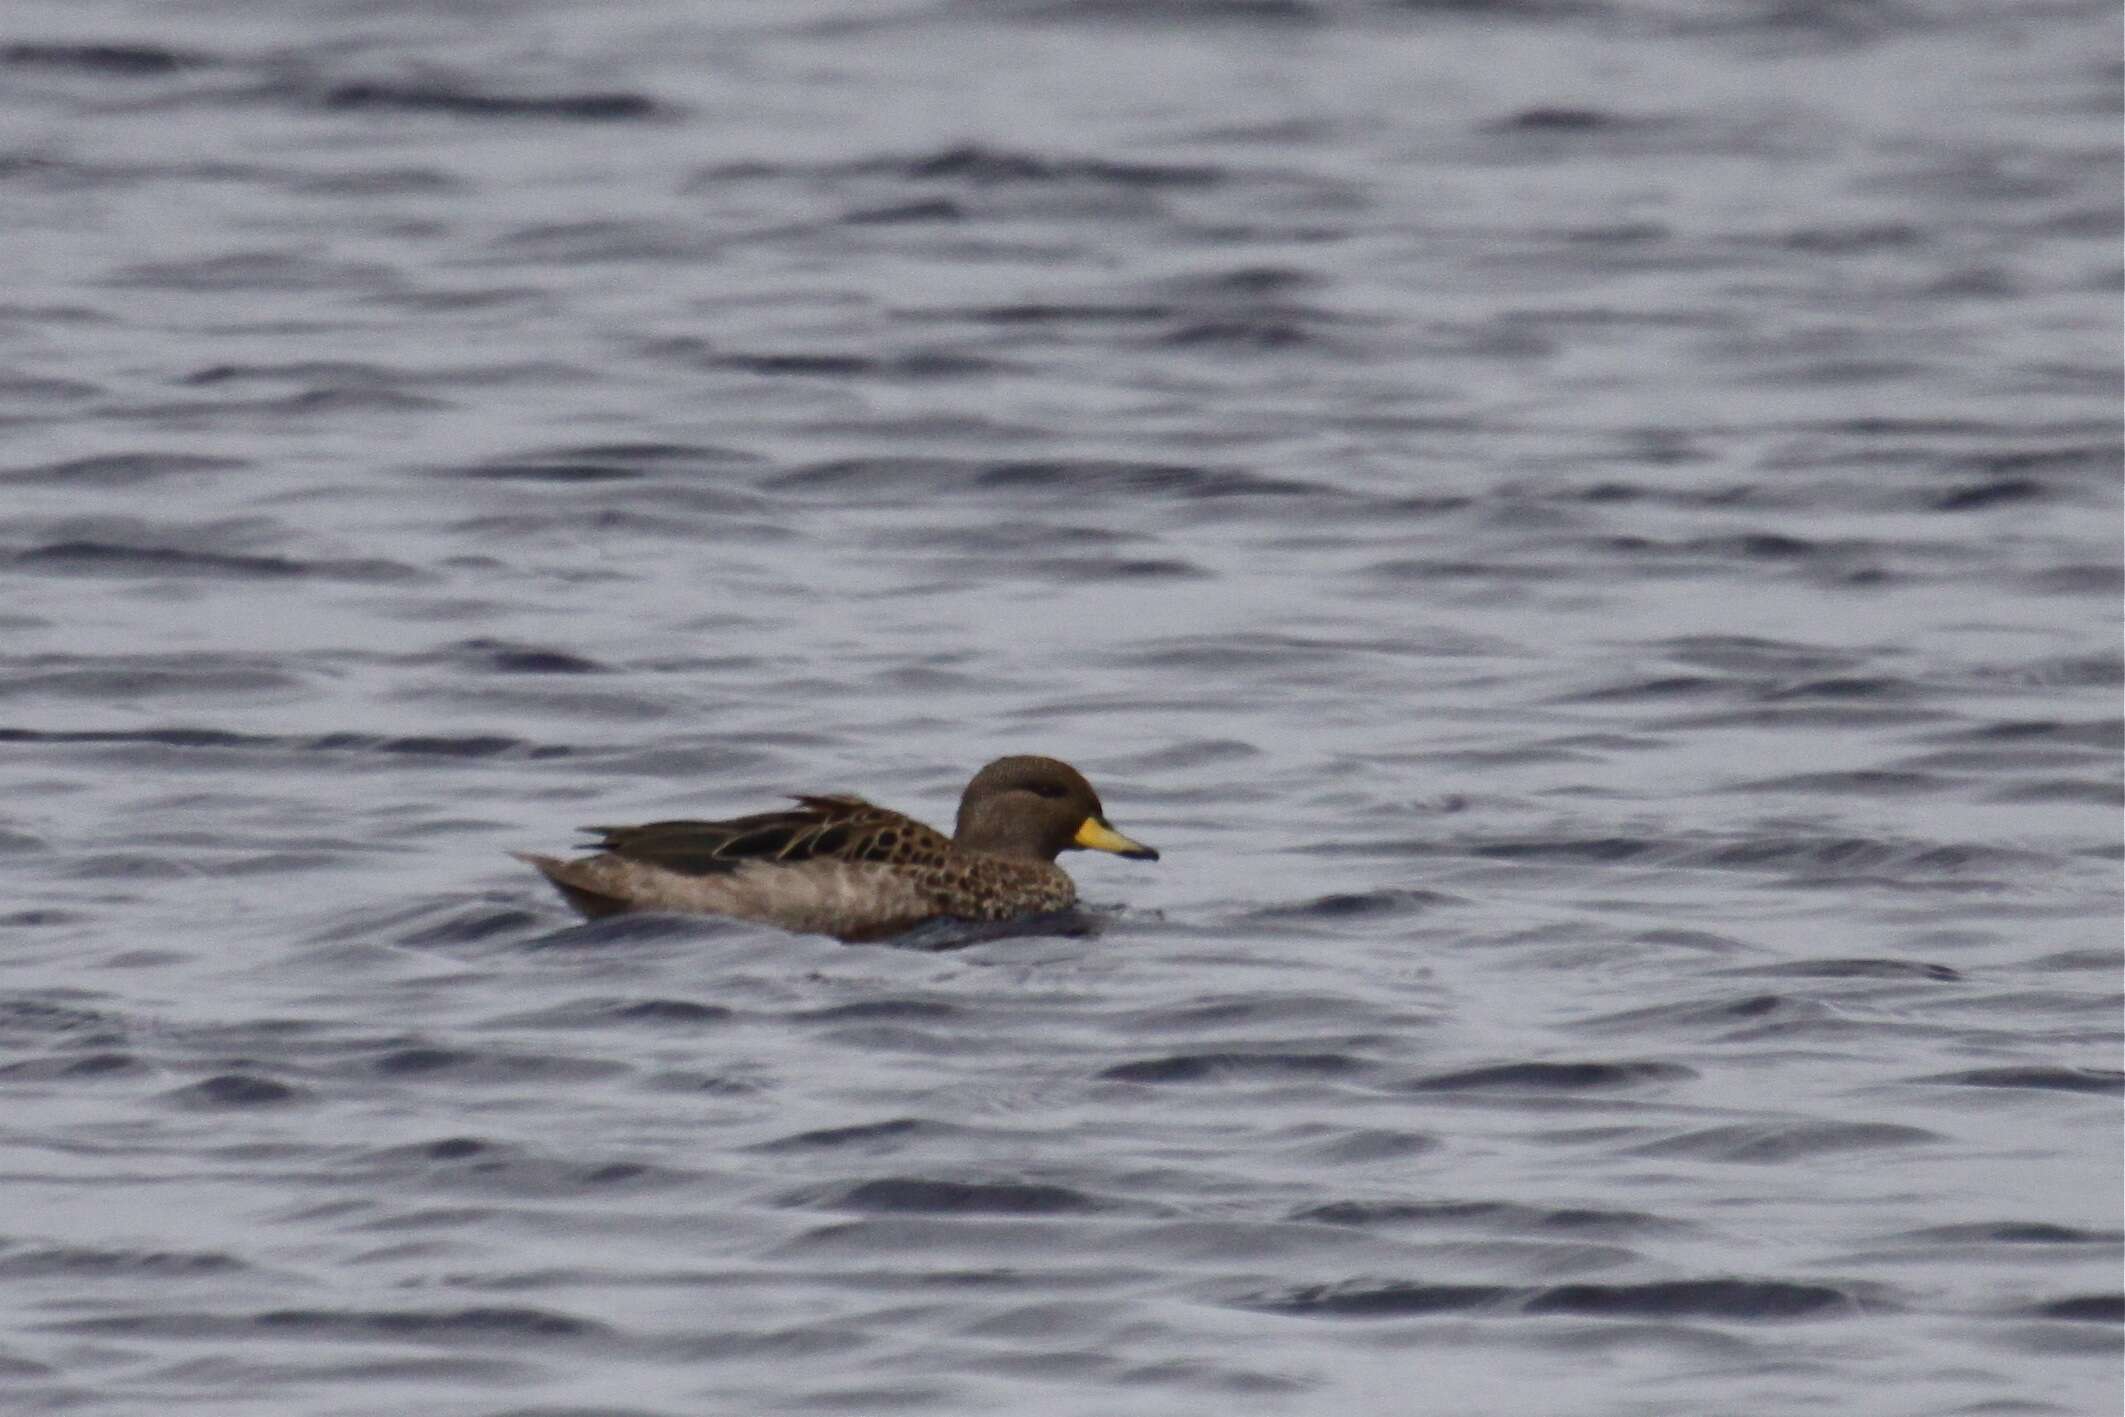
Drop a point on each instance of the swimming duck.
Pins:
(838, 865)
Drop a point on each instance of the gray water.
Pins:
(1588, 533)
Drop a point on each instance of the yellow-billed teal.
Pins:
(840, 866)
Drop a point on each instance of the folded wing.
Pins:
(819, 828)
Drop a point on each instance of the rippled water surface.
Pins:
(1588, 534)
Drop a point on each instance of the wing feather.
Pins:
(820, 828)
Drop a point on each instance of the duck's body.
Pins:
(841, 866)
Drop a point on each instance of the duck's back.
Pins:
(835, 828)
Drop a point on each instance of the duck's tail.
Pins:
(576, 885)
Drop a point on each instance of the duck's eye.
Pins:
(1045, 789)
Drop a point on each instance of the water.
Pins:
(1588, 535)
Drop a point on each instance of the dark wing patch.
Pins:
(823, 828)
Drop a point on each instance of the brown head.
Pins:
(1038, 808)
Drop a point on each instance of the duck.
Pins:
(841, 866)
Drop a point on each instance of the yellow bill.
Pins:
(1096, 835)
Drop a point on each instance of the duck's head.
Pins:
(1039, 808)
